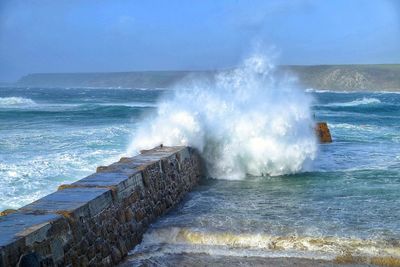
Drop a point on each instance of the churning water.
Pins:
(245, 121)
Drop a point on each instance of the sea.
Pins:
(343, 206)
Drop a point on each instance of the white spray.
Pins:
(243, 122)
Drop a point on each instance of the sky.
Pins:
(127, 35)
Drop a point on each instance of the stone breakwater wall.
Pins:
(98, 219)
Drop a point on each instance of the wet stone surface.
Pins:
(98, 219)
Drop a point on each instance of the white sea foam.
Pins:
(245, 121)
(363, 127)
(322, 91)
(192, 240)
(51, 158)
(357, 102)
(132, 104)
(15, 101)
(387, 92)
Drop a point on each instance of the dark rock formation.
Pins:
(323, 133)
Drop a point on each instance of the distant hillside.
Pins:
(332, 77)
(350, 77)
(144, 79)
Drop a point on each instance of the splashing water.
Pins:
(15, 101)
(244, 121)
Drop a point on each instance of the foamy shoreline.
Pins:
(188, 259)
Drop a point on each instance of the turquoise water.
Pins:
(54, 136)
(348, 202)
(347, 205)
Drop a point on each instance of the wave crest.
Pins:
(243, 121)
(358, 102)
(15, 101)
(193, 240)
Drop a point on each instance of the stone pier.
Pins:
(98, 219)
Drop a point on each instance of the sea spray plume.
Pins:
(245, 121)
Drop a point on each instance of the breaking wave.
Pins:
(358, 102)
(15, 101)
(322, 91)
(243, 121)
(189, 240)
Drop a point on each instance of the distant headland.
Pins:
(374, 77)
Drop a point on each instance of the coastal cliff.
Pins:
(384, 77)
(349, 77)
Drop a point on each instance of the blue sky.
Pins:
(124, 35)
